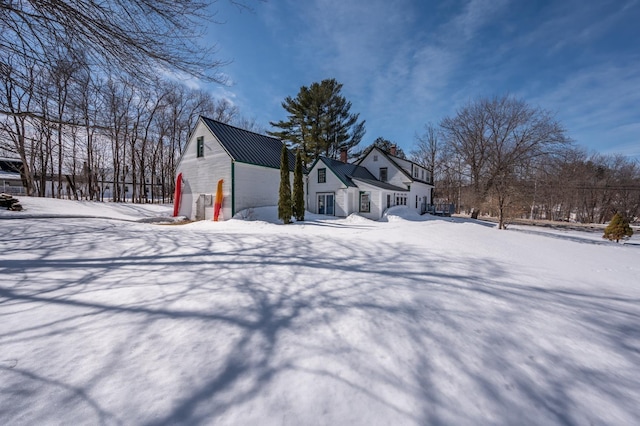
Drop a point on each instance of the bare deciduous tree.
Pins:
(427, 149)
(139, 37)
(497, 138)
(87, 70)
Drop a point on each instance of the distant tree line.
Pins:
(82, 102)
(80, 132)
(502, 157)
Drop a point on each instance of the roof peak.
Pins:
(246, 146)
(238, 128)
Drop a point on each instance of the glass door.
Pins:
(325, 204)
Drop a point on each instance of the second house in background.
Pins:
(377, 181)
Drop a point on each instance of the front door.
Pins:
(325, 204)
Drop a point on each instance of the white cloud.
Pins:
(570, 23)
(476, 13)
(409, 62)
(180, 77)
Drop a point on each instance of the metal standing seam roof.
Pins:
(249, 147)
(347, 172)
(10, 165)
(382, 185)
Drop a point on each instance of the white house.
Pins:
(248, 163)
(10, 179)
(377, 181)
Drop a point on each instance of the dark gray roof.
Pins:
(347, 172)
(249, 147)
(10, 165)
(382, 185)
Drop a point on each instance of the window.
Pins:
(375, 158)
(401, 199)
(416, 201)
(201, 146)
(422, 174)
(322, 175)
(383, 174)
(365, 203)
(416, 172)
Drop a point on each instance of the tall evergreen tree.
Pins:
(617, 229)
(319, 121)
(298, 188)
(284, 196)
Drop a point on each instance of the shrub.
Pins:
(618, 229)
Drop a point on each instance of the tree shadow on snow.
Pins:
(222, 328)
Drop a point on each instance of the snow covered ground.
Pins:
(108, 319)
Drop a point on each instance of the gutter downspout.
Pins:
(233, 188)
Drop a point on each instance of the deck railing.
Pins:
(441, 209)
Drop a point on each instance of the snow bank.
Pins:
(53, 207)
(356, 218)
(403, 213)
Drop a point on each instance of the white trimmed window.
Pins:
(322, 175)
(200, 146)
(365, 202)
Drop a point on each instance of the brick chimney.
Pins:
(394, 150)
(343, 155)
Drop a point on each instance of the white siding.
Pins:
(394, 175)
(350, 196)
(256, 186)
(423, 191)
(332, 184)
(201, 175)
(378, 199)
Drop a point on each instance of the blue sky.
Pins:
(406, 63)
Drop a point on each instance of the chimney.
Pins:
(343, 155)
(393, 150)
